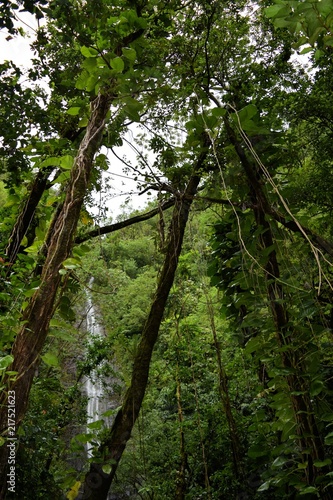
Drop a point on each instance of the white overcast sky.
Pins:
(18, 50)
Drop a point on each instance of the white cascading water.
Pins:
(97, 400)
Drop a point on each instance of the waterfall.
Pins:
(93, 384)
(99, 399)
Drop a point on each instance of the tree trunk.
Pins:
(181, 485)
(237, 452)
(97, 482)
(26, 214)
(36, 317)
(309, 438)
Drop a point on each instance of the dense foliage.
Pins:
(215, 302)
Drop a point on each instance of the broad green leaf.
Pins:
(66, 162)
(91, 82)
(71, 263)
(279, 461)
(96, 425)
(109, 413)
(51, 161)
(329, 439)
(265, 486)
(90, 64)
(88, 51)
(117, 64)
(6, 361)
(83, 122)
(56, 322)
(31, 292)
(322, 463)
(129, 53)
(50, 359)
(278, 10)
(82, 438)
(74, 110)
(107, 468)
(82, 80)
(34, 247)
(308, 490)
(302, 465)
(219, 112)
(247, 113)
(12, 199)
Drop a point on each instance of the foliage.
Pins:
(239, 399)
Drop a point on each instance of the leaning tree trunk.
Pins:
(35, 322)
(26, 214)
(97, 482)
(309, 437)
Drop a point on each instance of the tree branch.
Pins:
(128, 222)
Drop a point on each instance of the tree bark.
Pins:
(26, 214)
(97, 483)
(36, 317)
(309, 438)
(237, 452)
(111, 228)
(181, 485)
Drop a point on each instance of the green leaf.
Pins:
(117, 64)
(129, 54)
(71, 263)
(308, 489)
(217, 112)
(88, 51)
(56, 322)
(50, 359)
(83, 122)
(247, 113)
(322, 463)
(52, 161)
(329, 439)
(74, 110)
(302, 465)
(82, 80)
(34, 247)
(95, 425)
(90, 64)
(279, 461)
(107, 468)
(82, 438)
(6, 361)
(30, 292)
(306, 50)
(66, 162)
(278, 10)
(91, 83)
(265, 486)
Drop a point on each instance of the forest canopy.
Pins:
(202, 324)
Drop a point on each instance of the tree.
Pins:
(37, 314)
(207, 82)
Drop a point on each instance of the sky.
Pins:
(123, 189)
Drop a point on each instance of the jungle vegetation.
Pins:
(216, 299)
